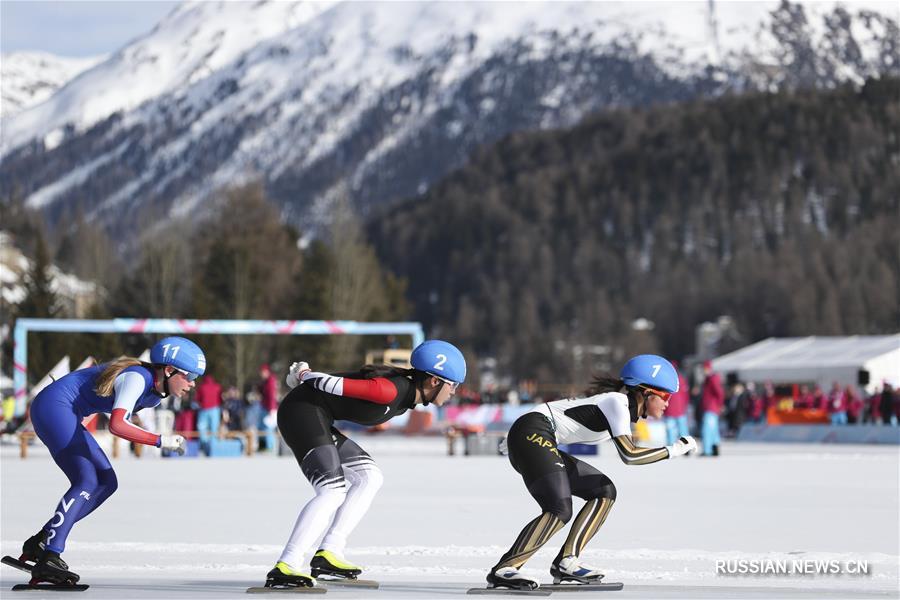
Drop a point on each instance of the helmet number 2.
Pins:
(175, 350)
(439, 365)
(656, 369)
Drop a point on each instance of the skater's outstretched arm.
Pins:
(379, 390)
(615, 409)
(632, 454)
(129, 387)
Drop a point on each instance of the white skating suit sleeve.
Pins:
(129, 387)
(616, 408)
(588, 420)
(597, 418)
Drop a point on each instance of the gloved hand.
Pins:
(684, 445)
(173, 442)
(503, 448)
(295, 374)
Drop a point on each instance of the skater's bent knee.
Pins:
(372, 478)
(606, 491)
(333, 496)
(88, 482)
(561, 509)
(108, 480)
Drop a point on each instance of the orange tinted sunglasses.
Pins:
(664, 395)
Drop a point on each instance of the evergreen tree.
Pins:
(40, 302)
(248, 263)
(677, 214)
(343, 280)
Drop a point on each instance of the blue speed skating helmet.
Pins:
(651, 371)
(441, 359)
(181, 353)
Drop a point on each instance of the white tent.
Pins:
(817, 360)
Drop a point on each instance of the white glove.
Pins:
(503, 447)
(173, 442)
(295, 374)
(684, 445)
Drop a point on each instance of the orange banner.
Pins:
(799, 416)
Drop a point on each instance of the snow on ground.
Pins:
(204, 528)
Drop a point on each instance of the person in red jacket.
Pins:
(757, 404)
(711, 402)
(855, 405)
(837, 405)
(805, 399)
(209, 398)
(268, 406)
(769, 399)
(819, 399)
(676, 412)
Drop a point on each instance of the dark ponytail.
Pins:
(605, 383)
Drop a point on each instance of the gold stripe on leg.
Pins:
(537, 532)
(595, 524)
(578, 527)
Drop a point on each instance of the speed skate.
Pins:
(549, 588)
(44, 586)
(286, 590)
(583, 587)
(504, 591)
(368, 584)
(331, 570)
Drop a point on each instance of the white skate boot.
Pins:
(570, 568)
(509, 577)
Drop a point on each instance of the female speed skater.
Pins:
(344, 477)
(553, 476)
(121, 387)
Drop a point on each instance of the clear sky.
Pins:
(76, 27)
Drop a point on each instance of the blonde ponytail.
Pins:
(106, 380)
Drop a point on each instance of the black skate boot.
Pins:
(50, 567)
(326, 562)
(511, 578)
(283, 576)
(33, 547)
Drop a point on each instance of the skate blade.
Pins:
(50, 587)
(316, 573)
(286, 590)
(583, 587)
(17, 564)
(331, 581)
(501, 591)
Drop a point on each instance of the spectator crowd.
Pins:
(704, 406)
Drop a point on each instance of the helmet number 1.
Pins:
(175, 350)
(439, 365)
(656, 369)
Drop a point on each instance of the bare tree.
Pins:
(165, 272)
(250, 264)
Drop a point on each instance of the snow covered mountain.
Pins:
(380, 100)
(29, 78)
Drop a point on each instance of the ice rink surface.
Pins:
(210, 528)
